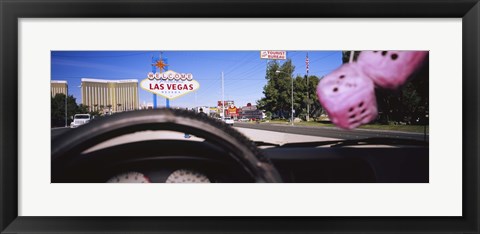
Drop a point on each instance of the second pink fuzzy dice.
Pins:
(390, 69)
(348, 96)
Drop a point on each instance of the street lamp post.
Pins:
(278, 71)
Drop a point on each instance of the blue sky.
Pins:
(244, 71)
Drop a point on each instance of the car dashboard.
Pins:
(182, 161)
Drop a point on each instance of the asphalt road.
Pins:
(332, 132)
(328, 132)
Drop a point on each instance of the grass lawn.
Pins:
(402, 128)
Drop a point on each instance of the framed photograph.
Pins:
(269, 116)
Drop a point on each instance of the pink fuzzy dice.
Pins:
(390, 69)
(348, 96)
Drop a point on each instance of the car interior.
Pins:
(220, 154)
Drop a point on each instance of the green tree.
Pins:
(58, 109)
(277, 91)
(95, 113)
(82, 109)
(300, 96)
(315, 107)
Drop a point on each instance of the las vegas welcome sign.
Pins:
(169, 84)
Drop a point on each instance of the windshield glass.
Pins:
(278, 97)
(240, 116)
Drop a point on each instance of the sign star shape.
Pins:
(160, 64)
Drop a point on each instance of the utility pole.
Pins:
(308, 85)
(223, 100)
(154, 70)
(351, 56)
(291, 77)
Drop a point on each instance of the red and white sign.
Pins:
(169, 84)
(273, 54)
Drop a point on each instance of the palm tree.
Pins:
(118, 106)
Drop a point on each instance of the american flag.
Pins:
(306, 62)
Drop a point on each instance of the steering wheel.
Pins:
(67, 149)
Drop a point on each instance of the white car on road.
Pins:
(228, 121)
(80, 119)
(243, 120)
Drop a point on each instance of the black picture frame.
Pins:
(11, 11)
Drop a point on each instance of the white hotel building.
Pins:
(110, 95)
(58, 86)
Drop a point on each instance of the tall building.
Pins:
(110, 95)
(58, 86)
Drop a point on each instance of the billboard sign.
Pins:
(169, 84)
(232, 110)
(273, 54)
(226, 103)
